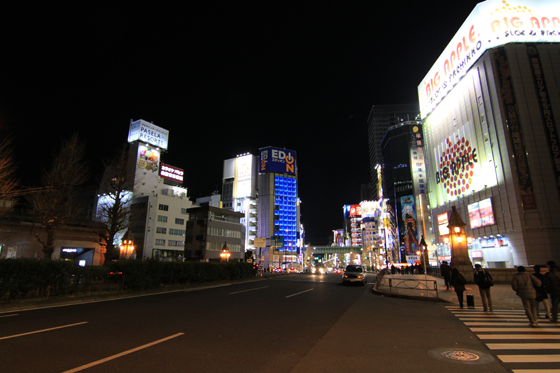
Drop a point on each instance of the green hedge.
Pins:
(31, 278)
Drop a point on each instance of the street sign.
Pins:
(277, 242)
(260, 242)
(249, 260)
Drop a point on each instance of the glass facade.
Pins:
(285, 211)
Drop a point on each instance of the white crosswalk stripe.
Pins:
(521, 347)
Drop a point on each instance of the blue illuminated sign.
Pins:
(277, 160)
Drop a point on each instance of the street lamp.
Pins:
(225, 254)
(458, 242)
(127, 246)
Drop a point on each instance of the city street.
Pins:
(294, 323)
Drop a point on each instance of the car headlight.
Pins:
(360, 276)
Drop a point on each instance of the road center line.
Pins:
(15, 314)
(121, 354)
(243, 291)
(301, 292)
(43, 330)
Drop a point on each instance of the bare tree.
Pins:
(113, 206)
(60, 206)
(8, 183)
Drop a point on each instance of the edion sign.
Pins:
(277, 160)
(171, 173)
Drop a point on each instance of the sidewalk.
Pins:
(502, 294)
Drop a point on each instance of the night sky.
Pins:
(224, 79)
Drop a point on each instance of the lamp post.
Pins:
(459, 249)
(225, 254)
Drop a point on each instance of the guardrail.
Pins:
(403, 286)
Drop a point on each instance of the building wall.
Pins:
(481, 109)
(19, 239)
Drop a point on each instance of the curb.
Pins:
(411, 297)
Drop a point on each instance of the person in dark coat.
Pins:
(445, 271)
(525, 286)
(483, 279)
(458, 282)
(552, 279)
(542, 296)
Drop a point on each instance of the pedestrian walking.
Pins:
(552, 280)
(542, 296)
(458, 282)
(484, 281)
(445, 271)
(525, 286)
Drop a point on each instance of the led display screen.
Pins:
(480, 213)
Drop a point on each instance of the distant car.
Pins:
(354, 273)
(318, 270)
(337, 271)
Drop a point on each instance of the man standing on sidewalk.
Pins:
(552, 280)
(525, 286)
(484, 281)
(445, 271)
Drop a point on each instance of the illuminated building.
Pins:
(490, 107)
(381, 117)
(405, 183)
(239, 192)
(278, 206)
(158, 202)
(353, 224)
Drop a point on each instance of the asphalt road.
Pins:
(295, 323)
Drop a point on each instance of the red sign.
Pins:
(171, 173)
(355, 210)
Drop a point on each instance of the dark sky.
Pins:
(224, 79)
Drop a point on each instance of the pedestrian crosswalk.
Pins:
(522, 348)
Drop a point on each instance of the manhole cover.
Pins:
(461, 355)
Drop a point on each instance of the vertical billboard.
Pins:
(277, 160)
(243, 175)
(418, 166)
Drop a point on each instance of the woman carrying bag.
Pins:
(458, 282)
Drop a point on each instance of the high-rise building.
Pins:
(239, 192)
(381, 117)
(405, 184)
(158, 201)
(490, 106)
(278, 206)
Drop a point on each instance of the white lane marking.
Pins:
(523, 346)
(243, 291)
(496, 323)
(301, 292)
(529, 358)
(518, 329)
(497, 320)
(121, 354)
(15, 314)
(43, 330)
(518, 336)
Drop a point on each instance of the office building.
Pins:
(381, 117)
(405, 185)
(278, 207)
(239, 192)
(210, 230)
